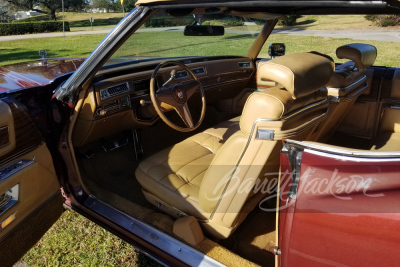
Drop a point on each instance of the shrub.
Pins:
(159, 22)
(387, 22)
(32, 27)
(371, 17)
(384, 20)
(224, 22)
(290, 21)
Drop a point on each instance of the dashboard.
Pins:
(119, 96)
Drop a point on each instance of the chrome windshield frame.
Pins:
(67, 91)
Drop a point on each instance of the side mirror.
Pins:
(203, 30)
(276, 50)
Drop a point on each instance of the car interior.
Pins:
(141, 158)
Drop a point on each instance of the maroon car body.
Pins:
(34, 73)
(335, 222)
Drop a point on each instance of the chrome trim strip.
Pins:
(359, 91)
(320, 103)
(350, 86)
(344, 99)
(319, 147)
(153, 236)
(14, 168)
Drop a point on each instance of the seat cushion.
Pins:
(175, 174)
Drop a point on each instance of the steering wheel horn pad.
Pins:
(177, 96)
(180, 95)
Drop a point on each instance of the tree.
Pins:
(47, 6)
(128, 5)
(3, 11)
(103, 4)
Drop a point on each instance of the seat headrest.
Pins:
(363, 55)
(300, 74)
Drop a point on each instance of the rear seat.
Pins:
(388, 136)
(347, 83)
(395, 90)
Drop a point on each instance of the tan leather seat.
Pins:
(347, 83)
(213, 179)
(181, 168)
(388, 136)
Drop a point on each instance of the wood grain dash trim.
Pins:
(27, 135)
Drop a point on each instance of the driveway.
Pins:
(377, 35)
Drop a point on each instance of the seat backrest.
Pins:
(347, 83)
(291, 110)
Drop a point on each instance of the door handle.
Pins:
(4, 200)
(9, 198)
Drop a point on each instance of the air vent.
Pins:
(198, 71)
(243, 65)
(181, 75)
(114, 91)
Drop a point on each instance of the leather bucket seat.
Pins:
(213, 175)
(347, 83)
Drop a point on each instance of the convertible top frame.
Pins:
(289, 7)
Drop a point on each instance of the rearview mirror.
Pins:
(203, 30)
(276, 50)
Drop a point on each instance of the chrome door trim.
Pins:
(347, 152)
(153, 236)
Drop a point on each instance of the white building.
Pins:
(26, 14)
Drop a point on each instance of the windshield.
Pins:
(163, 36)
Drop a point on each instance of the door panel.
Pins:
(28, 183)
(345, 210)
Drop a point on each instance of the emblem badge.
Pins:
(43, 54)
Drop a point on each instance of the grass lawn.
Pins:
(151, 44)
(330, 22)
(75, 241)
(80, 20)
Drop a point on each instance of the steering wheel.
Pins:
(177, 96)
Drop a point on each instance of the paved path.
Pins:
(377, 35)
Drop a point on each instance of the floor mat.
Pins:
(253, 238)
(115, 170)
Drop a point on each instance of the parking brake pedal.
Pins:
(137, 144)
